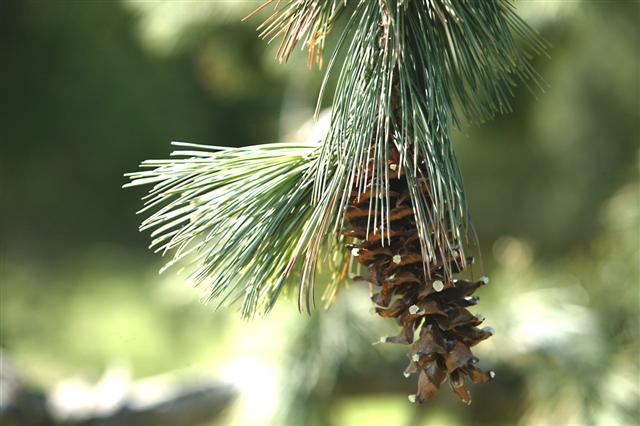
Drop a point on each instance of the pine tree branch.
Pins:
(252, 218)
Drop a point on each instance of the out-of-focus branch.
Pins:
(166, 400)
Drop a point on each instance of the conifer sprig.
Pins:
(412, 70)
(233, 212)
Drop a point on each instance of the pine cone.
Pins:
(430, 302)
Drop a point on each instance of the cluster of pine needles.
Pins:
(253, 219)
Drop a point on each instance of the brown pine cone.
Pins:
(429, 305)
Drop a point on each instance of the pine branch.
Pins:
(251, 218)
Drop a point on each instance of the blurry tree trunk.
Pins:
(190, 404)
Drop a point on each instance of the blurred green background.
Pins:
(89, 89)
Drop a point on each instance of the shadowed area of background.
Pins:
(90, 89)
